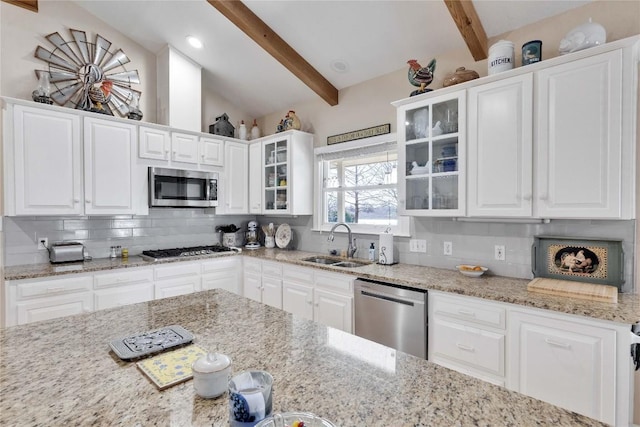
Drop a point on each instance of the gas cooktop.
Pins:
(160, 254)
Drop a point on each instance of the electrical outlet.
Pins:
(499, 252)
(43, 243)
(417, 245)
(448, 248)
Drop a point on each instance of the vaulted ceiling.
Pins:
(338, 43)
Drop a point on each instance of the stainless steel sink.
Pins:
(335, 262)
(350, 264)
(322, 260)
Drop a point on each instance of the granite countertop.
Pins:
(61, 372)
(496, 288)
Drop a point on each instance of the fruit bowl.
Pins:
(287, 419)
(471, 270)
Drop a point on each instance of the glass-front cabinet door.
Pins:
(276, 178)
(431, 150)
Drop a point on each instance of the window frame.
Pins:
(319, 224)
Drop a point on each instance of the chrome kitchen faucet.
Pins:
(351, 248)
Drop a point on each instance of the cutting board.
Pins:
(580, 290)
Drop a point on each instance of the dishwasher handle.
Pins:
(387, 298)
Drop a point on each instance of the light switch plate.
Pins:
(448, 248)
(418, 245)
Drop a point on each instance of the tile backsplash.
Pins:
(162, 228)
(473, 242)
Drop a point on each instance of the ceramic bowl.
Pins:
(285, 419)
(471, 270)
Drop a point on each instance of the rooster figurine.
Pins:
(420, 76)
(100, 95)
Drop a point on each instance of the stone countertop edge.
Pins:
(488, 287)
(339, 376)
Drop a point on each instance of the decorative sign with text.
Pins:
(359, 134)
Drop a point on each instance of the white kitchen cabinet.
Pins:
(285, 186)
(233, 198)
(500, 153)
(113, 181)
(431, 155)
(322, 296)
(255, 178)
(263, 281)
(569, 364)
(34, 300)
(42, 162)
(122, 287)
(211, 151)
(177, 279)
(184, 148)
(154, 143)
(584, 139)
(468, 335)
(222, 273)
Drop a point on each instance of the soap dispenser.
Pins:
(372, 252)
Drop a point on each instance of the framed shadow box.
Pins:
(598, 261)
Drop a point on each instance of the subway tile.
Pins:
(130, 223)
(111, 233)
(87, 224)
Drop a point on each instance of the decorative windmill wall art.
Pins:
(89, 76)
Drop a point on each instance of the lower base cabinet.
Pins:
(176, 279)
(573, 362)
(565, 363)
(263, 281)
(222, 273)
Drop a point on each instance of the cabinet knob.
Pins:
(526, 196)
(544, 197)
(310, 302)
(76, 200)
(87, 201)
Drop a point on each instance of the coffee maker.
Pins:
(252, 235)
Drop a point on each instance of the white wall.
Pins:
(214, 105)
(23, 30)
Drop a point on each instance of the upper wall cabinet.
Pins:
(500, 157)
(583, 136)
(59, 163)
(554, 139)
(281, 174)
(431, 156)
(42, 162)
(164, 147)
(233, 193)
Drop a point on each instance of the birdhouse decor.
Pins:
(420, 76)
(87, 75)
(222, 126)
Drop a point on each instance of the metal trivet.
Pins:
(146, 343)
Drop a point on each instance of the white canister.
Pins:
(501, 57)
(211, 375)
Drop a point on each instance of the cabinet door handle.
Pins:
(87, 201)
(49, 290)
(76, 200)
(466, 347)
(310, 302)
(557, 343)
(467, 313)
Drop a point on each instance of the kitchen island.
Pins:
(61, 372)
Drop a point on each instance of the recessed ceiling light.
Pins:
(195, 42)
(339, 66)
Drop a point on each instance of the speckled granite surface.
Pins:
(502, 289)
(61, 372)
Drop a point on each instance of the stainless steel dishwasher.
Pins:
(392, 316)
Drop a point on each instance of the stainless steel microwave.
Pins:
(179, 188)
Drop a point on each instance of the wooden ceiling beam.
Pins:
(470, 27)
(31, 5)
(240, 15)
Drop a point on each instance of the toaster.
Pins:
(66, 252)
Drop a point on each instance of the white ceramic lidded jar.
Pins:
(211, 375)
(501, 57)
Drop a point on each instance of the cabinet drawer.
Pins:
(252, 265)
(40, 309)
(179, 269)
(468, 345)
(333, 281)
(297, 274)
(470, 311)
(220, 264)
(123, 277)
(41, 288)
(272, 269)
(135, 293)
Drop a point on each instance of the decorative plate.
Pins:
(283, 236)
